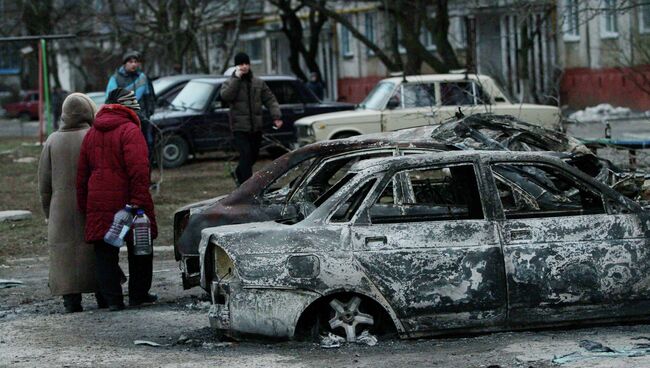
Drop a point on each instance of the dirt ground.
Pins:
(34, 331)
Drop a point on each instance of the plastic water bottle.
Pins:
(120, 226)
(141, 234)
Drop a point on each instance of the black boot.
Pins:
(72, 303)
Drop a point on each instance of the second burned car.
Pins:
(434, 243)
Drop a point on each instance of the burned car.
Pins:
(462, 241)
(276, 191)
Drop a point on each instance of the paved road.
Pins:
(18, 128)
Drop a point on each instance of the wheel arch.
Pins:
(307, 317)
(345, 133)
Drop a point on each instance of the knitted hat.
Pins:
(123, 97)
(131, 54)
(242, 58)
(77, 109)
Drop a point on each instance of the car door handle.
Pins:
(520, 234)
(375, 241)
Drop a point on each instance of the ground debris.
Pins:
(148, 343)
(598, 350)
(331, 341)
(198, 305)
(367, 339)
(212, 345)
(7, 283)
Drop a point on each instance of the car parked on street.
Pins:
(415, 100)
(197, 120)
(98, 97)
(168, 87)
(427, 244)
(26, 108)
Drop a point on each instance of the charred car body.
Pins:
(276, 191)
(433, 243)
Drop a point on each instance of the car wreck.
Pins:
(277, 190)
(426, 244)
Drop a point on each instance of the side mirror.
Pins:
(393, 103)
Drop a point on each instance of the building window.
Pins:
(609, 22)
(571, 25)
(644, 18)
(254, 49)
(370, 31)
(346, 45)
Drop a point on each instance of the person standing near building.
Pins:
(72, 260)
(316, 85)
(246, 94)
(130, 77)
(113, 172)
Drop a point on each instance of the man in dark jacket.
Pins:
(129, 76)
(246, 93)
(113, 171)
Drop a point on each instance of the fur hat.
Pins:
(77, 109)
(242, 58)
(123, 97)
(131, 54)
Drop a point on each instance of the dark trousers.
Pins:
(248, 144)
(109, 273)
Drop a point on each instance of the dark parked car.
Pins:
(464, 241)
(26, 108)
(197, 120)
(168, 87)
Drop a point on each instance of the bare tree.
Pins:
(412, 18)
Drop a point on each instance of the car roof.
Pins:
(450, 156)
(183, 77)
(221, 79)
(435, 77)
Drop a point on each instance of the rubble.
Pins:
(6, 283)
(331, 341)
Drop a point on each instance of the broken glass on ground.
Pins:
(7, 283)
(595, 349)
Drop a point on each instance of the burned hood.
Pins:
(504, 132)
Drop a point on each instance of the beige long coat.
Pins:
(72, 261)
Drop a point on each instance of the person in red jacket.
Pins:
(113, 171)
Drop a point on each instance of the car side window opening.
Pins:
(538, 190)
(284, 92)
(432, 194)
(347, 209)
(413, 95)
(278, 190)
(328, 174)
(216, 101)
(462, 93)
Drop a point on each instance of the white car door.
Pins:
(412, 104)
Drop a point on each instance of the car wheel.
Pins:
(344, 135)
(24, 116)
(175, 151)
(348, 316)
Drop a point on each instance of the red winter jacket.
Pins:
(113, 170)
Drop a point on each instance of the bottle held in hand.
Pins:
(121, 224)
(141, 234)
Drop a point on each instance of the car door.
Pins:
(215, 123)
(466, 95)
(571, 251)
(412, 104)
(426, 244)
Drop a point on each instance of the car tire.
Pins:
(24, 116)
(347, 316)
(175, 151)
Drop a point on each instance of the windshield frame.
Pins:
(385, 87)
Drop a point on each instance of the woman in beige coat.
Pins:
(72, 261)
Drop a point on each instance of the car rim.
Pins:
(171, 153)
(348, 317)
